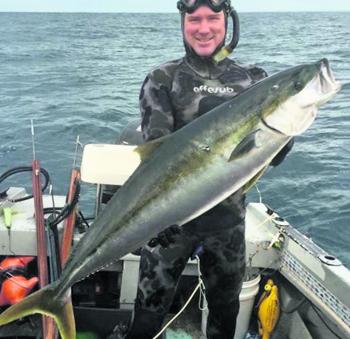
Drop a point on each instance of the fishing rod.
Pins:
(72, 198)
(48, 328)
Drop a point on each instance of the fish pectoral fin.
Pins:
(45, 302)
(246, 145)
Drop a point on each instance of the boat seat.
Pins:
(97, 167)
(108, 164)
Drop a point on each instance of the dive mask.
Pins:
(189, 6)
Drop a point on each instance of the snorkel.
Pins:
(189, 6)
(228, 49)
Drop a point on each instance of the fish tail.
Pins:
(46, 301)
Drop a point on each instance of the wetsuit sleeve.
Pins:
(155, 106)
(278, 159)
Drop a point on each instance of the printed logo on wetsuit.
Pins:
(213, 90)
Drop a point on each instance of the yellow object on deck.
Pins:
(269, 310)
(7, 216)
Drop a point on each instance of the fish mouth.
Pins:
(319, 90)
(323, 87)
(329, 85)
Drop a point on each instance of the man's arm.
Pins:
(257, 73)
(155, 106)
(278, 159)
(157, 121)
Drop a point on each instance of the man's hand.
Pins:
(166, 237)
(282, 154)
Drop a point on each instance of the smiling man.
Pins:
(173, 95)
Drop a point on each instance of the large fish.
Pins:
(185, 174)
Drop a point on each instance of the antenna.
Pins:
(33, 137)
(77, 144)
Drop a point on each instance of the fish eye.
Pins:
(298, 86)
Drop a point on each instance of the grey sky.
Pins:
(165, 5)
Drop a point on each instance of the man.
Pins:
(173, 95)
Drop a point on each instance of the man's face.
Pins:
(204, 30)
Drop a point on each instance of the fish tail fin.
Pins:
(46, 302)
(64, 318)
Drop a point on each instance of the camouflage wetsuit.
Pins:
(172, 96)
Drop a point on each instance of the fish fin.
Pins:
(246, 145)
(254, 180)
(64, 318)
(46, 302)
(144, 150)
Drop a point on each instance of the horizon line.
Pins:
(173, 12)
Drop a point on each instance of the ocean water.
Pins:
(80, 74)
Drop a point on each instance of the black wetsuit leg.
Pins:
(222, 266)
(223, 269)
(160, 270)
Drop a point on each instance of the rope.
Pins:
(200, 286)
